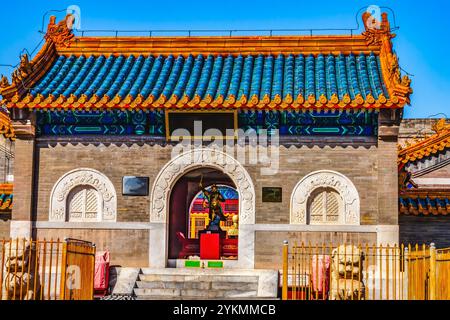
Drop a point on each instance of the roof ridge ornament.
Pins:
(440, 126)
(6, 127)
(378, 33)
(61, 33)
(23, 71)
(376, 30)
(4, 82)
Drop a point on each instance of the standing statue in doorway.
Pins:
(213, 199)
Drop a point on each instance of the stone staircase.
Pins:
(205, 284)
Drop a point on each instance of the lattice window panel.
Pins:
(325, 207)
(83, 204)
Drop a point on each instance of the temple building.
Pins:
(97, 122)
(424, 173)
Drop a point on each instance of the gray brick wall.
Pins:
(361, 164)
(127, 247)
(425, 230)
(115, 161)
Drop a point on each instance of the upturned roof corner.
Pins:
(380, 33)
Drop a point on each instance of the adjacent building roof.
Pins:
(423, 202)
(6, 127)
(428, 146)
(326, 72)
(6, 197)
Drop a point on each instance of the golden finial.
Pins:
(60, 33)
(25, 69)
(440, 125)
(4, 82)
(406, 81)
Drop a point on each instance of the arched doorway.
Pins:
(161, 191)
(188, 214)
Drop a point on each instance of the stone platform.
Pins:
(192, 284)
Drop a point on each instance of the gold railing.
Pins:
(419, 272)
(364, 272)
(46, 269)
(443, 274)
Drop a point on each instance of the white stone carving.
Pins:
(83, 177)
(194, 159)
(325, 179)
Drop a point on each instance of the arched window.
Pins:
(83, 205)
(83, 195)
(325, 207)
(325, 197)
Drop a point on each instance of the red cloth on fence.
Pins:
(320, 266)
(101, 277)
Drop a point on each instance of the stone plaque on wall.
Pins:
(135, 186)
(272, 194)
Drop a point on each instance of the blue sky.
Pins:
(422, 40)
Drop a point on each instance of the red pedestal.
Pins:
(209, 246)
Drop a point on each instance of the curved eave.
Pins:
(425, 148)
(424, 203)
(6, 197)
(41, 64)
(6, 128)
(206, 104)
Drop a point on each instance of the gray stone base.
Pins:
(122, 280)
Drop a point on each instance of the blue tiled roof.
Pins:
(426, 205)
(243, 80)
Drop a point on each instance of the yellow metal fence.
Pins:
(364, 272)
(443, 274)
(46, 269)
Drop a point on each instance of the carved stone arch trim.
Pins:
(198, 158)
(83, 177)
(325, 179)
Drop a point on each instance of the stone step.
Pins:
(205, 284)
(200, 271)
(197, 278)
(197, 285)
(205, 294)
(173, 285)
